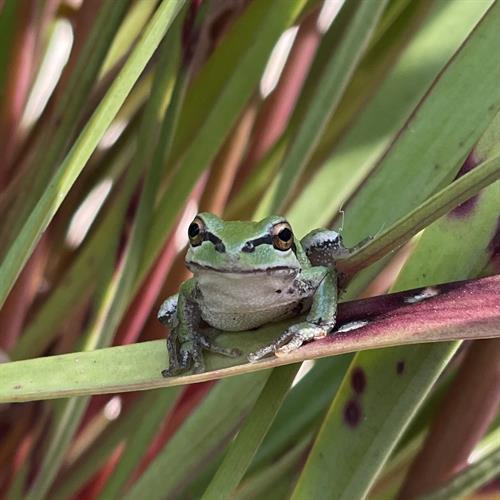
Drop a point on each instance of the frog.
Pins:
(246, 274)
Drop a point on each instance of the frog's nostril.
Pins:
(219, 247)
(248, 247)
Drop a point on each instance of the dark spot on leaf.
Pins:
(18, 386)
(467, 206)
(352, 413)
(464, 208)
(400, 367)
(358, 380)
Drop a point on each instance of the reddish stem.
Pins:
(225, 166)
(464, 416)
(190, 399)
(140, 309)
(16, 307)
(94, 487)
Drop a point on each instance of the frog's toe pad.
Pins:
(290, 340)
(300, 336)
(169, 372)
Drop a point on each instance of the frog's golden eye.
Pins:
(282, 236)
(196, 232)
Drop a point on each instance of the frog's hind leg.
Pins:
(209, 345)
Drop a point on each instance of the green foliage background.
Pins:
(391, 114)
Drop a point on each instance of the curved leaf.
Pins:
(458, 311)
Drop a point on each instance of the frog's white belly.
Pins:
(237, 301)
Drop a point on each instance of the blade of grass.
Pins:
(56, 136)
(64, 427)
(139, 441)
(200, 439)
(471, 479)
(433, 143)
(79, 280)
(438, 136)
(84, 146)
(120, 431)
(261, 483)
(134, 22)
(21, 63)
(467, 310)
(275, 110)
(459, 191)
(302, 409)
(267, 19)
(379, 123)
(330, 89)
(389, 42)
(241, 451)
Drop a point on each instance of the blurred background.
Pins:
(121, 119)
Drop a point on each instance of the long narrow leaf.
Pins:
(244, 447)
(461, 312)
(330, 89)
(83, 148)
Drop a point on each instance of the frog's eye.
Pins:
(196, 232)
(282, 236)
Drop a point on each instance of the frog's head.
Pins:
(237, 246)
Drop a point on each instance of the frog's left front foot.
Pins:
(292, 339)
(190, 355)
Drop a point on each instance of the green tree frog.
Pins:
(246, 274)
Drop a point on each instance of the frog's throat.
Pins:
(194, 266)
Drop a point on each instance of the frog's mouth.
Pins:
(194, 266)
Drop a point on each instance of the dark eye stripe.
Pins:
(219, 246)
(251, 244)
